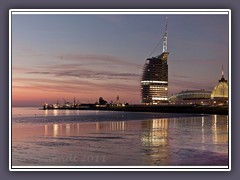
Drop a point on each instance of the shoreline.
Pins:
(192, 109)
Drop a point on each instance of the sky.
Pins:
(92, 56)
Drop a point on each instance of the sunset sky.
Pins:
(92, 56)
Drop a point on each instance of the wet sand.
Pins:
(164, 142)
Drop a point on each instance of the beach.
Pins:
(94, 138)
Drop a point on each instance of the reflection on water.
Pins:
(156, 134)
(35, 111)
(46, 113)
(55, 112)
(219, 129)
(112, 126)
(76, 128)
(199, 134)
(56, 130)
(158, 129)
(203, 134)
(164, 141)
(154, 139)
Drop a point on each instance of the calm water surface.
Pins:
(75, 138)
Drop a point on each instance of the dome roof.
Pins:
(191, 95)
(221, 89)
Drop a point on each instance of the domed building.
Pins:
(219, 95)
(220, 91)
(191, 97)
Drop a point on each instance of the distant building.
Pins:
(102, 101)
(219, 95)
(154, 83)
(220, 91)
(191, 97)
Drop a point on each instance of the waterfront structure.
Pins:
(191, 97)
(219, 95)
(154, 83)
(220, 91)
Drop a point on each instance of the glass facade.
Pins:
(154, 83)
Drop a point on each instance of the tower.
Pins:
(165, 38)
(154, 83)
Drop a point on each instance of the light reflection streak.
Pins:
(55, 130)
(203, 135)
(219, 130)
(45, 130)
(157, 134)
(68, 129)
(67, 112)
(55, 112)
(45, 112)
(117, 126)
(112, 126)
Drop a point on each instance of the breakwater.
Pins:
(194, 109)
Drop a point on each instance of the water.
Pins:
(95, 138)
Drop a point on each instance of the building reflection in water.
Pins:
(219, 129)
(111, 126)
(203, 131)
(155, 142)
(196, 133)
(156, 128)
(68, 129)
(55, 130)
(46, 112)
(156, 133)
(61, 129)
(213, 128)
(67, 112)
(55, 112)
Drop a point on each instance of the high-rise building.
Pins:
(154, 83)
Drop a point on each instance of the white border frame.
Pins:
(117, 11)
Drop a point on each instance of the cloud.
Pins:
(77, 57)
(88, 74)
(72, 86)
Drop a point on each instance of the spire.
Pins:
(165, 37)
(222, 79)
(222, 73)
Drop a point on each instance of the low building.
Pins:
(191, 97)
(218, 96)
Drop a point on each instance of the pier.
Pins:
(168, 108)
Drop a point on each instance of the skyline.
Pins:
(92, 56)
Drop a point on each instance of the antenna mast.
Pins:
(165, 38)
(222, 72)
